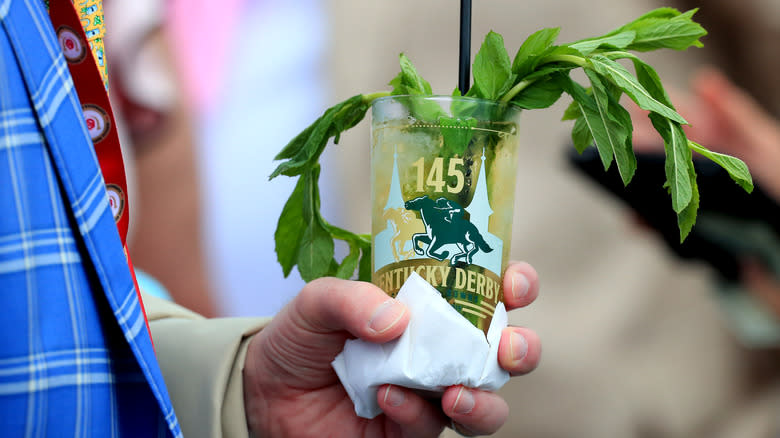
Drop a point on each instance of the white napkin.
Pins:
(439, 348)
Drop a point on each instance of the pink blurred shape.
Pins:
(201, 32)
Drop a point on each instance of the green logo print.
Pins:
(445, 224)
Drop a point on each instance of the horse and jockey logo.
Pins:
(445, 224)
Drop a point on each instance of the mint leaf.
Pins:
(316, 252)
(619, 126)
(581, 135)
(659, 14)
(552, 70)
(357, 245)
(618, 40)
(687, 217)
(474, 91)
(542, 93)
(306, 148)
(572, 112)
(347, 117)
(736, 168)
(348, 236)
(296, 144)
(289, 230)
(464, 108)
(316, 248)
(551, 67)
(647, 76)
(678, 33)
(408, 81)
(663, 12)
(606, 133)
(349, 264)
(457, 134)
(678, 159)
(535, 45)
(561, 56)
(631, 86)
(303, 237)
(492, 69)
(364, 267)
(426, 110)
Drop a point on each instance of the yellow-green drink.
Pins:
(443, 173)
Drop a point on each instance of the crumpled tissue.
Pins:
(439, 348)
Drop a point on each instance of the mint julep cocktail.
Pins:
(443, 173)
(443, 168)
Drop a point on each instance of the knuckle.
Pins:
(332, 299)
(313, 299)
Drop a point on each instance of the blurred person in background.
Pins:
(206, 212)
(739, 237)
(733, 107)
(159, 141)
(252, 80)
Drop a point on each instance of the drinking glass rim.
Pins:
(445, 97)
(449, 98)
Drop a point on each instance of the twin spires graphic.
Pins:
(395, 199)
(406, 229)
(479, 209)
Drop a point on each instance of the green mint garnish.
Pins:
(536, 78)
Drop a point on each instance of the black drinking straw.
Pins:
(464, 66)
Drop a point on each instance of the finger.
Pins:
(327, 305)
(519, 350)
(476, 412)
(414, 415)
(521, 285)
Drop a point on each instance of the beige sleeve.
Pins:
(202, 362)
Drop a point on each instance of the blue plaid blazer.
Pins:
(76, 358)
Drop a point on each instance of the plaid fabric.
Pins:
(75, 357)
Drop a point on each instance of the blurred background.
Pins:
(636, 343)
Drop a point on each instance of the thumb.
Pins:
(307, 334)
(330, 305)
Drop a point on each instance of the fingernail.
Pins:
(394, 396)
(386, 316)
(518, 346)
(520, 286)
(464, 403)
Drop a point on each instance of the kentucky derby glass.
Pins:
(443, 178)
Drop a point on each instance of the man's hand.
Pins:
(291, 390)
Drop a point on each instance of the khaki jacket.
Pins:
(202, 362)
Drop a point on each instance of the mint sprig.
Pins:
(535, 78)
(303, 237)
